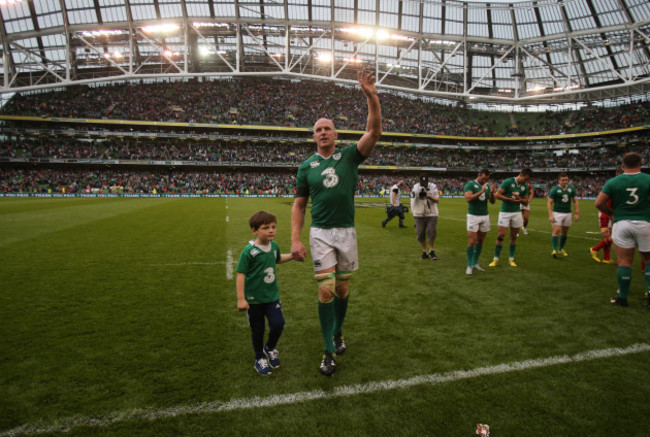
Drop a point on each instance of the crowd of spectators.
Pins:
(274, 102)
(288, 103)
(294, 154)
(106, 181)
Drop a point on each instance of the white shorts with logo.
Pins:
(562, 219)
(334, 247)
(524, 207)
(629, 234)
(478, 223)
(511, 219)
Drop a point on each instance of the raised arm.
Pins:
(367, 143)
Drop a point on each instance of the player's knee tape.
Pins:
(500, 239)
(327, 281)
(343, 277)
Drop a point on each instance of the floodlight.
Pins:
(161, 28)
(382, 35)
(325, 57)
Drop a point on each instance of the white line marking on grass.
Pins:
(188, 263)
(229, 263)
(151, 414)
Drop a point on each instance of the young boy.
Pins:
(258, 292)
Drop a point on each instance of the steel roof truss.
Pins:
(404, 53)
(431, 74)
(495, 65)
(262, 45)
(204, 39)
(600, 59)
(100, 52)
(37, 58)
(542, 63)
(160, 47)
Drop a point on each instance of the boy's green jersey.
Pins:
(562, 198)
(510, 187)
(478, 206)
(629, 194)
(331, 183)
(258, 264)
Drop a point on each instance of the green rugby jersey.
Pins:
(629, 194)
(478, 206)
(511, 187)
(331, 183)
(259, 267)
(562, 198)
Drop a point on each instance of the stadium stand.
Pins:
(219, 137)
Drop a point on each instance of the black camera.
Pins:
(424, 186)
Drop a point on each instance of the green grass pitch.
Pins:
(119, 317)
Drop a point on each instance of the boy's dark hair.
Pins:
(484, 171)
(526, 172)
(563, 174)
(632, 160)
(261, 218)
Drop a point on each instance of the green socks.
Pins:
(554, 242)
(624, 277)
(513, 248)
(497, 250)
(327, 316)
(477, 252)
(340, 309)
(562, 241)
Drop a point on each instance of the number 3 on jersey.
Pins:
(331, 178)
(270, 275)
(633, 195)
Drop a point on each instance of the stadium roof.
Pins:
(530, 52)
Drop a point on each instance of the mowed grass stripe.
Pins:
(148, 414)
(35, 217)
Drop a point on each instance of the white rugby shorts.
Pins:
(478, 223)
(562, 219)
(334, 247)
(629, 234)
(511, 219)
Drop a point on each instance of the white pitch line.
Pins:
(229, 263)
(188, 263)
(151, 414)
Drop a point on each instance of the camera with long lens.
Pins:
(424, 187)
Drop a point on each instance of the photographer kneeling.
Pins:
(424, 207)
(395, 208)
